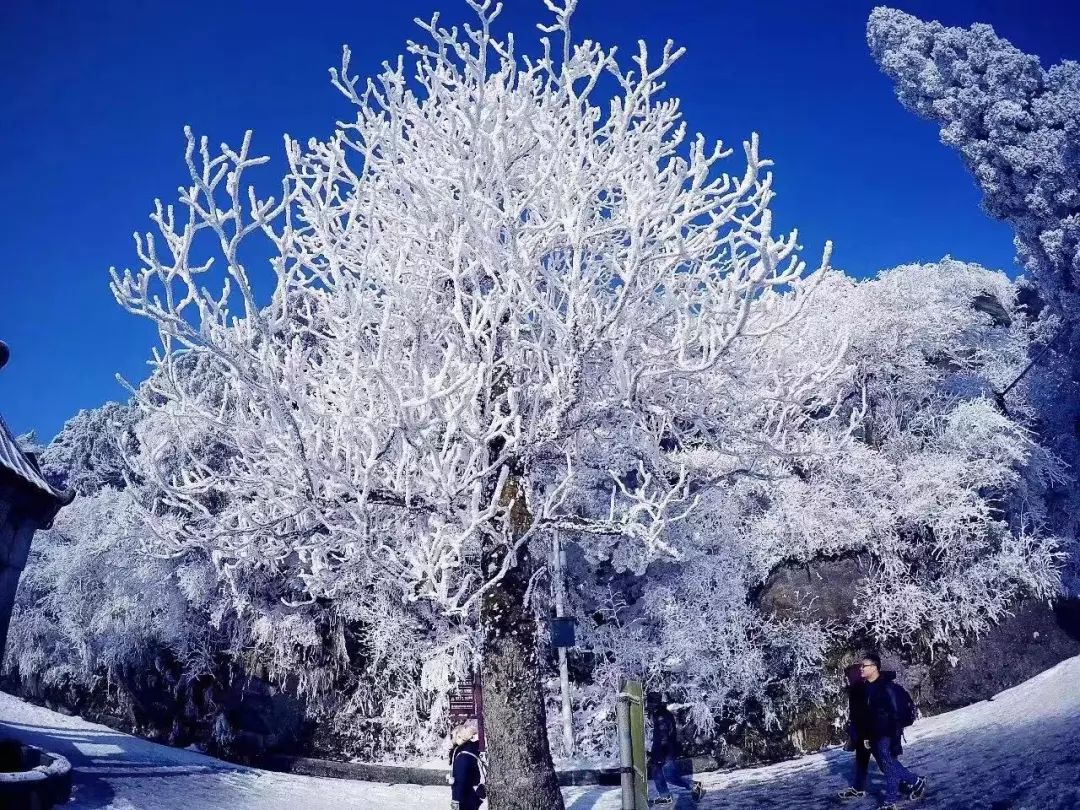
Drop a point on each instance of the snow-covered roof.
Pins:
(16, 461)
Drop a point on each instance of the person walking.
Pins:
(467, 791)
(879, 710)
(664, 751)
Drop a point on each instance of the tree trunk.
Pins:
(521, 775)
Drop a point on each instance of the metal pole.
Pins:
(478, 706)
(559, 561)
(626, 751)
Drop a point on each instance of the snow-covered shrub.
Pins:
(92, 609)
(695, 635)
(103, 627)
(943, 488)
(919, 470)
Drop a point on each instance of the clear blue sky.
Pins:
(95, 96)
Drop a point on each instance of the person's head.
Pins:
(466, 732)
(870, 666)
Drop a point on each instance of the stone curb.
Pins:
(41, 786)
(407, 775)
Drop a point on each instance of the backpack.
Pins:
(906, 710)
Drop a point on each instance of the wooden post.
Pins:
(633, 765)
(626, 752)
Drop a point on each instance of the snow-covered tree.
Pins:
(86, 455)
(939, 492)
(168, 648)
(95, 612)
(943, 489)
(503, 304)
(1017, 127)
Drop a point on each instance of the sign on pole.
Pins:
(466, 703)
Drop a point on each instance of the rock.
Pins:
(822, 590)
(1035, 638)
(262, 717)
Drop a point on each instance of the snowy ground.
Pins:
(1020, 751)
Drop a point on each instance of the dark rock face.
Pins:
(240, 718)
(821, 591)
(1035, 638)
(262, 717)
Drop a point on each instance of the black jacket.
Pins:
(665, 738)
(465, 770)
(874, 709)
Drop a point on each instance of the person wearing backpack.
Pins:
(663, 753)
(467, 790)
(880, 709)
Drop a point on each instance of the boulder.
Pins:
(819, 591)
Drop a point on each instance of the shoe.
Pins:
(663, 801)
(918, 790)
(697, 792)
(851, 793)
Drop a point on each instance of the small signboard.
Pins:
(563, 631)
(466, 703)
(463, 701)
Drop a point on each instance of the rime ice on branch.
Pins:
(492, 272)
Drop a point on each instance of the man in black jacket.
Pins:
(664, 752)
(876, 728)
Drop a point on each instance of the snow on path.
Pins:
(1020, 751)
(115, 771)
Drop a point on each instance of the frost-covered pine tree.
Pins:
(504, 303)
(1017, 127)
(85, 456)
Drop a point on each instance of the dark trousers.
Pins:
(895, 773)
(665, 771)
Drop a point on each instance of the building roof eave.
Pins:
(25, 468)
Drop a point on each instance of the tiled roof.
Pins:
(15, 460)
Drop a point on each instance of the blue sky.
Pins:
(96, 94)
